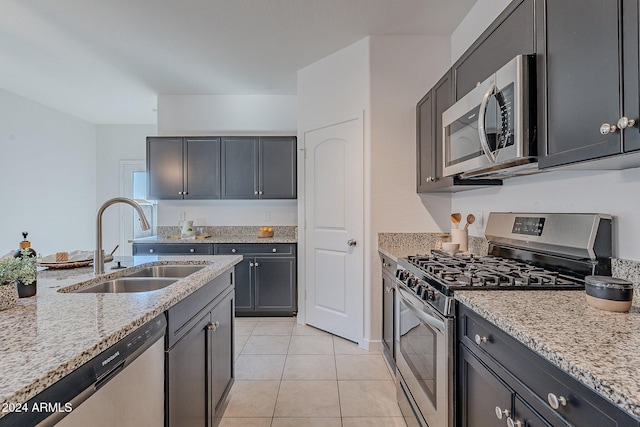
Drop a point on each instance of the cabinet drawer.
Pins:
(255, 249)
(184, 315)
(537, 376)
(172, 249)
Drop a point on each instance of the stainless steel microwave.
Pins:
(491, 131)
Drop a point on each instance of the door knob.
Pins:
(351, 242)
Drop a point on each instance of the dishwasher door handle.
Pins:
(109, 375)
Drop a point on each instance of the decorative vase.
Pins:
(8, 296)
(29, 290)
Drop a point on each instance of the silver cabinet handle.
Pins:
(274, 250)
(480, 340)
(606, 128)
(431, 179)
(212, 326)
(233, 250)
(351, 242)
(256, 264)
(260, 192)
(511, 423)
(180, 192)
(151, 251)
(192, 250)
(556, 401)
(384, 264)
(255, 193)
(625, 122)
(502, 412)
(250, 264)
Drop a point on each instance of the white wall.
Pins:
(191, 115)
(384, 76)
(115, 143)
(611, 192)
(47, 177)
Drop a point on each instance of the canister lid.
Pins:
(608, 282)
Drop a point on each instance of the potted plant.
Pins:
(17, 279)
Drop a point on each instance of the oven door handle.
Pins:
(431, 320)
(482, 113)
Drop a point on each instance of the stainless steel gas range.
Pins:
(526, 252)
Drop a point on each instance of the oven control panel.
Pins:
(529, 226)
(424, 291)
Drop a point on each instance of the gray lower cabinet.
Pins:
(183, 168)
(265, 279)
(259, 168)
(500, 378)
(388, 309)
(172, 249)
(199, 355)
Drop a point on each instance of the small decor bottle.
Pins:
(27, 289)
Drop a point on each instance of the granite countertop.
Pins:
(49, 335)
(599, 348)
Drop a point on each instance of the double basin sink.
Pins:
(148, 279)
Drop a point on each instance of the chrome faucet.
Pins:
(98, 255)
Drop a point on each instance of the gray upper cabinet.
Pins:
(588, 78)
(259, 168)
(510, 35)
(183, 168)
(239, 167)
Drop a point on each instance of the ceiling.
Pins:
(106, 61)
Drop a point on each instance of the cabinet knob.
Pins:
(606, 128)
(274, 250)
(255, 193)
(151, 251)
(480, 340)
(502, 412)
(233, 251)
(212, 326)
(556, 401)
(625, 122)
(431, 179)
(192, 250)
(256, 264)
(180, 192)
(511, 423)
(260, 192)
(250, 264)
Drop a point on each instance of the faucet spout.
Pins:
(98, 255)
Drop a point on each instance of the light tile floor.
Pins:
(290, 375)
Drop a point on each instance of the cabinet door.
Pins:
(202, 168)
(275, 285)
(425, 155)
(581, 72)
(221, 353)
(240, 168)
(480, 392)
(187, 368)
(245, 301)
(278, 168)
(511, 34)
(165, 168)
(388, 298)
(631, 59)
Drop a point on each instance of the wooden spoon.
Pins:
(456, 218)
(470, 220)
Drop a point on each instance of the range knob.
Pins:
(411, 281)
(400, 274)
(432, 295)
(418, 290)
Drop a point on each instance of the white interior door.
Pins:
(334, 181)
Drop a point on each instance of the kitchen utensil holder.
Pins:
(460, 236)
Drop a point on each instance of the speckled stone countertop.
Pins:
(599, 348)
(49, 335)
(399, 245)
(226, 234)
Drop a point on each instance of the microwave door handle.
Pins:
(481, 117)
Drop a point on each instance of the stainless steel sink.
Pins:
(128, 284)
(178, 271)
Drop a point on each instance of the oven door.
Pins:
(424, 360)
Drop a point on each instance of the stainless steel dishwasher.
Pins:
(122, 386)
